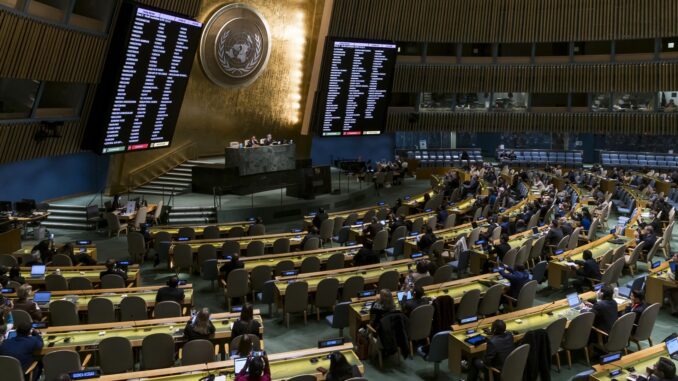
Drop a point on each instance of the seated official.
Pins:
(200, 326)
(313, 232)
(605, 311)
(637, 306)
(268, 140)
(418, 299)
(647, 236)
(663, 370)
(422, 270)
(319, 218)
(77, 259)
(231, 265)
(426, 241)
(502, 248)
(340, 369)
(381, 307)
(171, 292)
(23, 346)
(252, 142)
(365, 256)
(499, 346)
(15, 275)
(555, 234)
(517, 278)
(256, 369)
(112, 268)
(245, 347)
(586, 270)
(246, 324)
(25, 303)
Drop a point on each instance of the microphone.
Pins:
(541, 312)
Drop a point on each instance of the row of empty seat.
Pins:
(525, 157)
(444, 157)
(638, 160)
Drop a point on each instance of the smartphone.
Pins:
(258, 353)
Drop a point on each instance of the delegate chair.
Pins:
(112, 281)
(577, 336)
(556, 331)
(419, 325)
(157, 351)
(296, 300)
(197, 352)
(136, 246)
(167, 309)
(514, 365)
(326, 295)
(100, 310)
(133, 308)
(61, 362)
(646, 325)
(63, 312)
(11, 369)
(56, 282)
(468, 306)
(437, 351)
(258, 276)
(237, 286)
(115, 355)
(80, 283)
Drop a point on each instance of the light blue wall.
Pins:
(52, 177)
(375, 148)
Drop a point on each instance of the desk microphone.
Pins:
(547, 306)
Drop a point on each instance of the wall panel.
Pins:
(603, 123)
(642, 77)
(504, 20)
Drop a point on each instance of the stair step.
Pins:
(173, 178)
(69, 225)
(166, 188)
(185, 173)
(150, 192)
(170, 184)
(59, 212)
(52, 218)
(197, 215)
(66, 207)
(191, 220)
(187, 208)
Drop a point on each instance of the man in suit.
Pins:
(268, 140)
(554, 235)
(171, 292)
(442, 215)
(111, 268)
(499, 346)
(566, 227)
(517, 277)
(319, 218)
(647, 236)
(427, 240)
(637, 306)
(503, 247)
(418, 299)
(605, 311)
(587, 269)
(252, 142)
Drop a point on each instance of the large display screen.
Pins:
(145, 76)
(355, 88)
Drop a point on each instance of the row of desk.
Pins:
(92, 273)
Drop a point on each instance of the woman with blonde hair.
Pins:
(25, 303)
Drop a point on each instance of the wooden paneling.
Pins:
(607, 123)
(37, 50)
(34, 49)
(642, 77)
(504, 20)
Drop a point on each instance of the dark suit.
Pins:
(649, 240)
(426, 241)
(636, 309)
(114, 272)
(517, 279)
(365, 256)
(589, 270)
(554, 236)
(411, 304)
(170, 293)
(502, 249)
(498, 348)
(606, 314)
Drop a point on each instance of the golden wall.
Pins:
(212, 116)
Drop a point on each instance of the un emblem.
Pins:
(235, 46)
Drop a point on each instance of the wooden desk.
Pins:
(518, 322)
(359, 313)
(559, 267)
(10, 241)
(224, 228)
(86, 337)
(297, 257)
(81, 298)
(283, 366)
(360, 212)
(123, 217)
(268, 239)
(460, 208)
(656, 281)
(640, 360)
(90, 272)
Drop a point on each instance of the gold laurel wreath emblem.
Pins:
(223, 61)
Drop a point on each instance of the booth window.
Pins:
(60, 100)
(17, 97)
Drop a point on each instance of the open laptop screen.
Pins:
(239, 364)
(573, 300)
(38, 270)
(42, 297)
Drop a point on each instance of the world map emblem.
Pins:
(235, 46)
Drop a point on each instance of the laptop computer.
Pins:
(42, 298)
(574, 301)
(624, 292)
(404, 296)
(672, 348)
(239, 364)
(38, 271)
